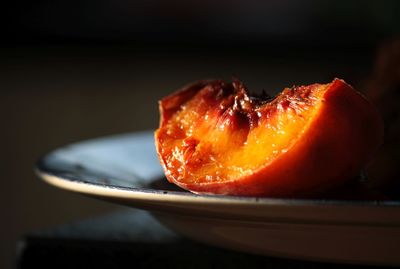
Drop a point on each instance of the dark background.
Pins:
(74, 70)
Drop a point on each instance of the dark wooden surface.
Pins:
(134, 239)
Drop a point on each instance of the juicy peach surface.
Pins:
(216, 138)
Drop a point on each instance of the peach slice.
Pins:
(215, 138)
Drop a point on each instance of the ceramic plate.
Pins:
(124, 169)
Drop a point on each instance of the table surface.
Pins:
(134, 239)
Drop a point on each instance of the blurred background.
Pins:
(74, 70)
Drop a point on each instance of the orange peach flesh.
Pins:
(219, 136)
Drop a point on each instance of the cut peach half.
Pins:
(215, 138)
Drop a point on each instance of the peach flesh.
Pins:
(216, 138)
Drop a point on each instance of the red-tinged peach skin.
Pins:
(215, 138)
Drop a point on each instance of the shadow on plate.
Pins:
(164, 185)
